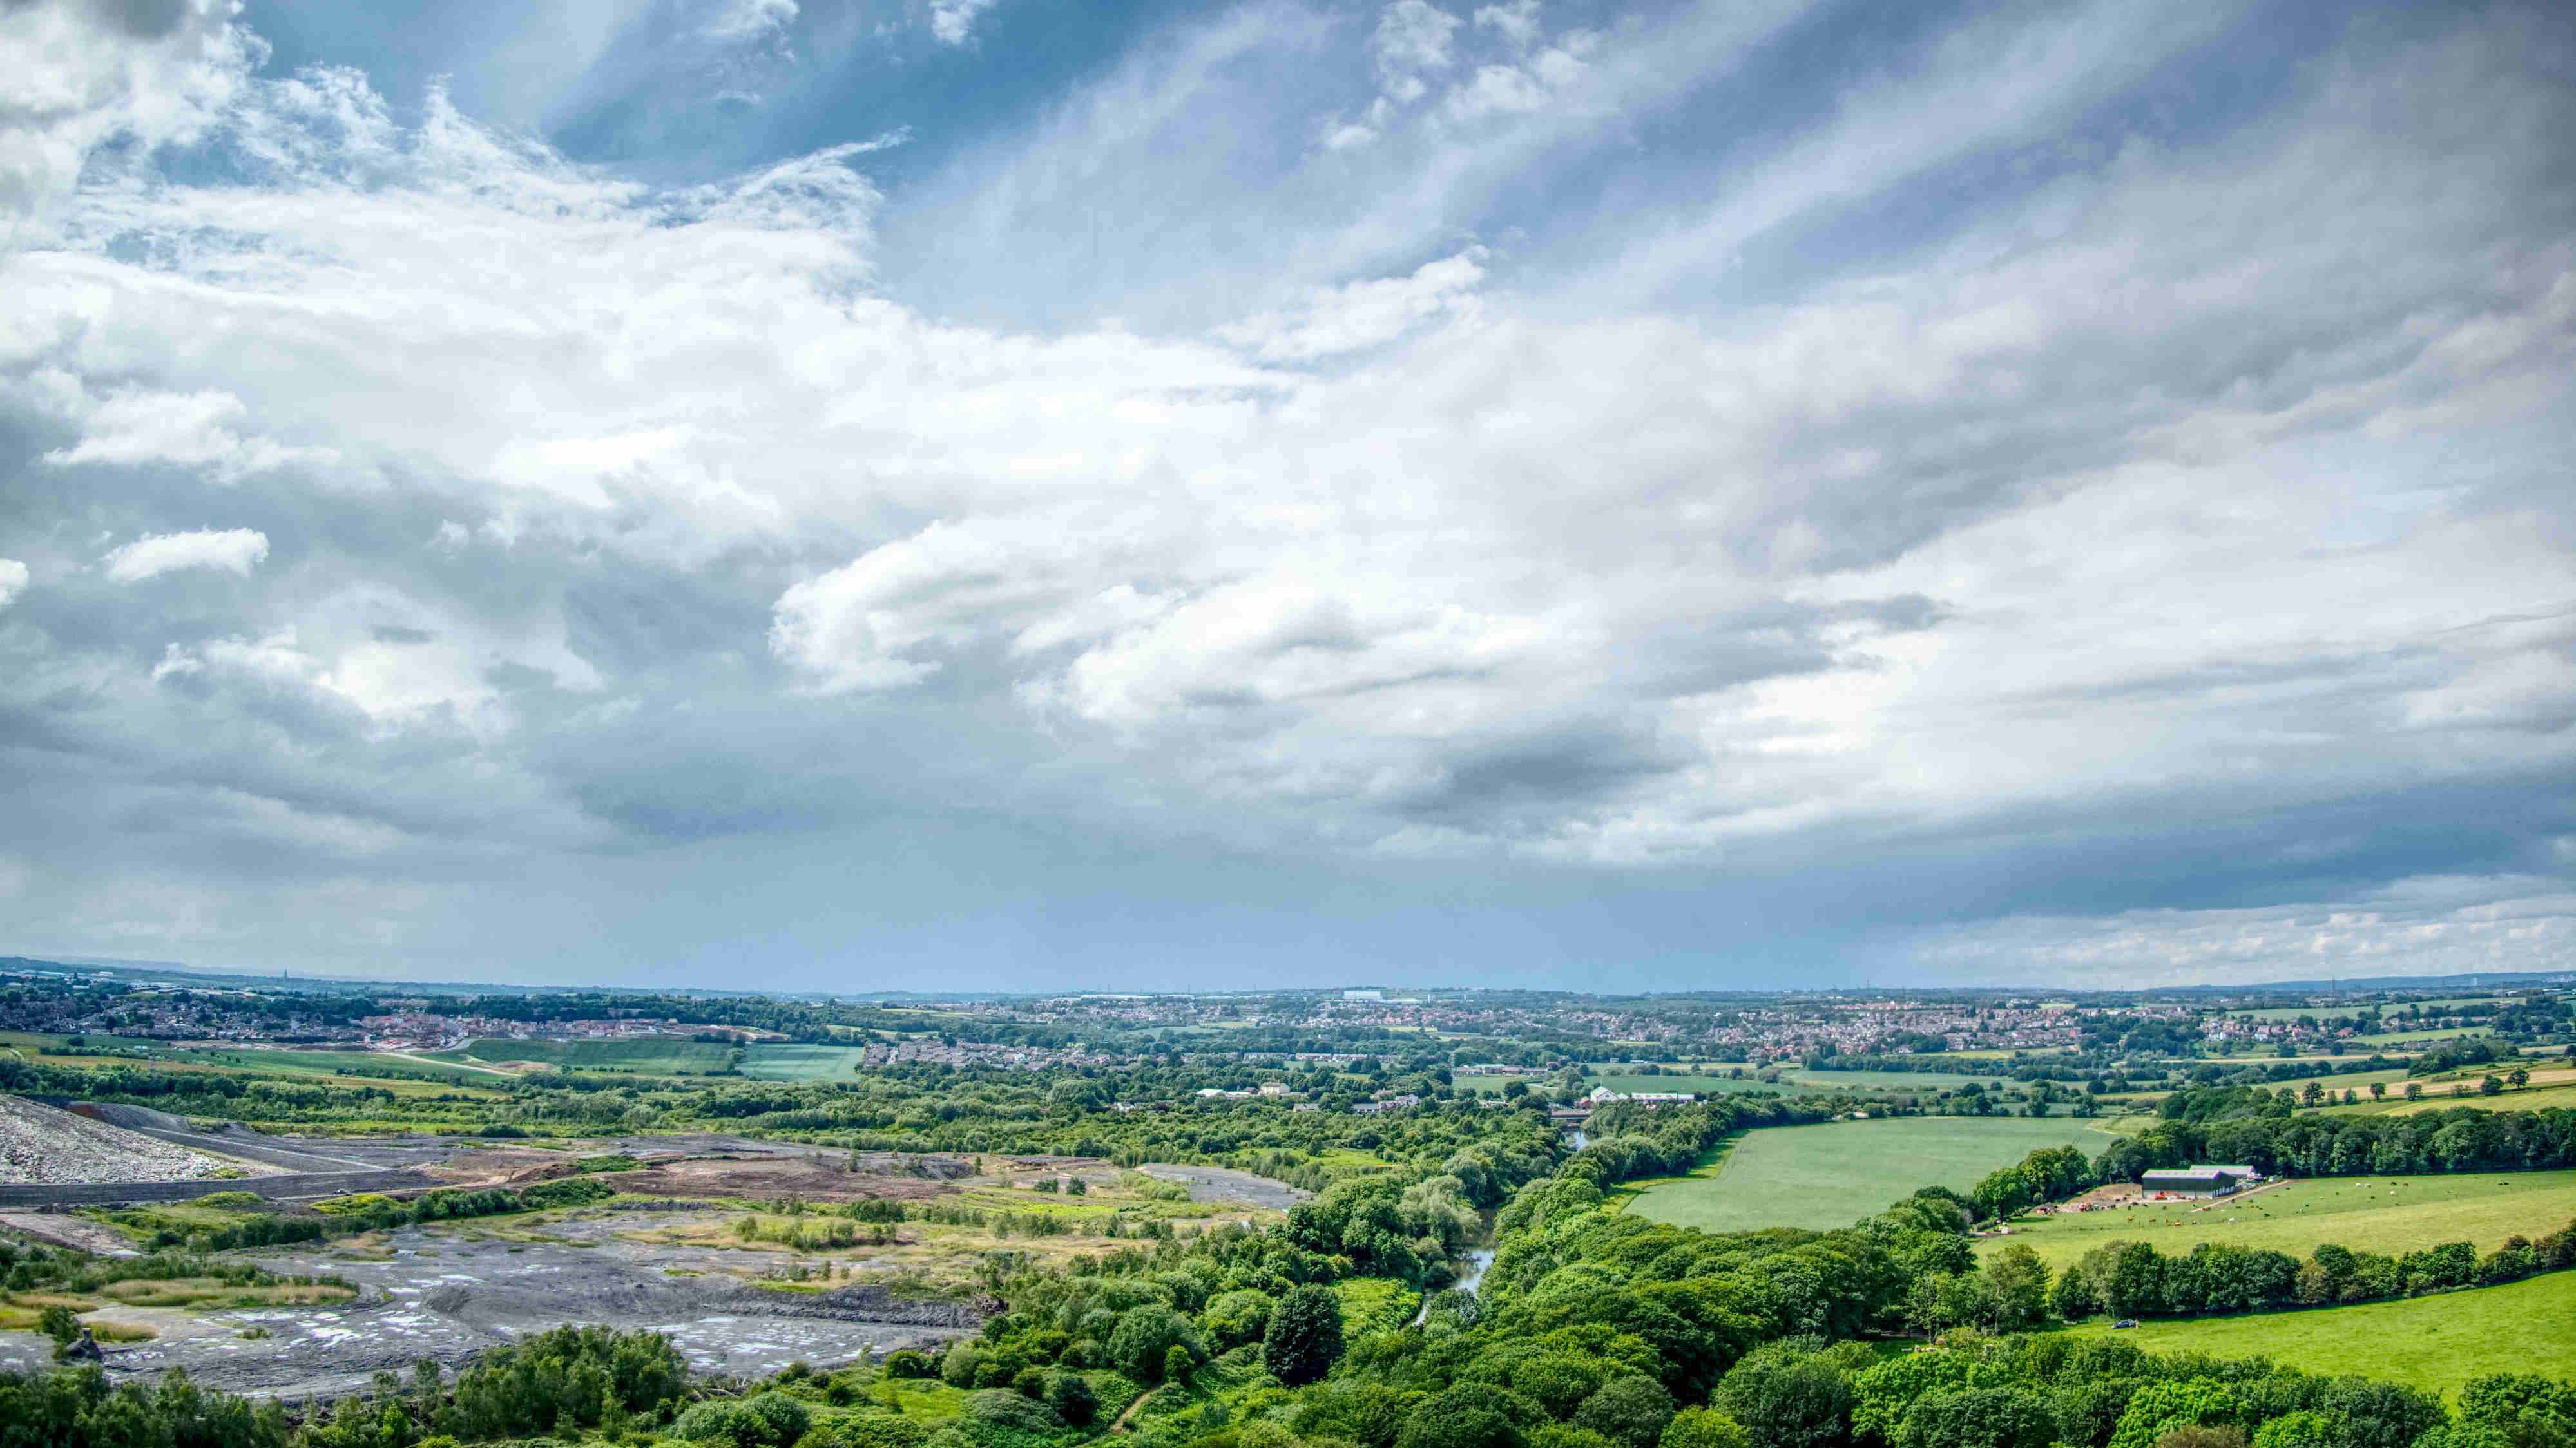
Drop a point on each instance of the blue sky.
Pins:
(1002, 495)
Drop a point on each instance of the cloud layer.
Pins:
(2002, 505)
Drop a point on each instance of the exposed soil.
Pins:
(56, 1229)
(44, 1144)
(451, 1291)
(1224, 1184)
(820, 1180)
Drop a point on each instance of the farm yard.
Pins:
(1832, 1175)
(2436, 1343)
(2378, 1214)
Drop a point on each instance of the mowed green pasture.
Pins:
(647, 1057)
(1834, 1174)
(801, 1063)
(2380, 1214)
(2435, 1343)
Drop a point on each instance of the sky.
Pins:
(1002, 495)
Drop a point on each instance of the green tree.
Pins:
(1632, 1412)
(2017, 1287)
(1177, 1364)
(2160, 1408)
(2301, 1429)
(1144, 1339)
(1704, 1428)
(1070, 1395)
(1978, 1418)
(1304, 1335)
(1786, 1403)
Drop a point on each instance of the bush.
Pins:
(571, 1191)
(1141, 1345)
(906, 1363)
(867, 1430)
(1072, 1399)
(1002, 1408)
(784, 1418)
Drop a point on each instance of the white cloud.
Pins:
(13, 580)
(2093, 503)
(191, 429)
(85, 72)
(738, 20)
(1517, 22)
(231, 550)
(1411, 44)
(1362, 314)
(952, 22)
(2422, 926)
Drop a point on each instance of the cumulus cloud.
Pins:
(13, 580)
(87, 72)
(230, 550)
(2053, 531)
(952, 22)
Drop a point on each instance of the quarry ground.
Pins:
(667, 1255)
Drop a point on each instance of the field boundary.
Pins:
(1711, 1163)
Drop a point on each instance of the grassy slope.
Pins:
(667, 1057)
(801, 1063)
(2437, 1342)
(2438, 1097)
(1834, 1174)
(2377, 1214)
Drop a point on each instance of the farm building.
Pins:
(2197, 1180)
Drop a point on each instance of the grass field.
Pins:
(2376, 1214)
(1884, 1082)
(415, 1076)
(1835, 1174)
(2417, 1038)
(2438, 1097)
(801, 1063)
(2436, 1343)
(647, 1058)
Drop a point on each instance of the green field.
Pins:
(801, 1063)
(647, 1058)
(2438, 1097)
(1837, 1173)
(2375, 1214)
(1886, 1082)
(2417, 1038)
(2436, 1343)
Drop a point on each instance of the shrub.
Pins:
(867, 1430)
(1005, 1409)
(1072, 1399)
(905, 1363)
(1141, 1345)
